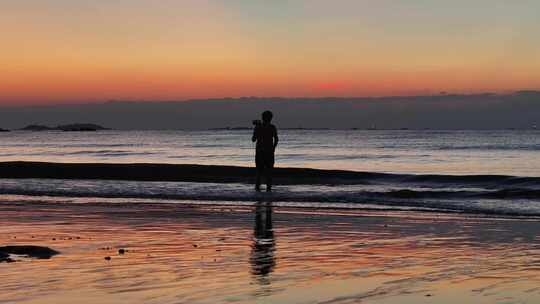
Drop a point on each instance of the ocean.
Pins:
(492, 172)
(385, 217)
(417, 152)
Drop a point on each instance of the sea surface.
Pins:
(428, 152)
(491, 172)
(439, 217)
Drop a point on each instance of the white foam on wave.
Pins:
(468, 200)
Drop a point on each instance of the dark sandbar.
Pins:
(236, 174)
(176, 173)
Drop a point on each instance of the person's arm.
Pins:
(276, 138)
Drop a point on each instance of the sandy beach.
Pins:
(185, 253)
(270, 152)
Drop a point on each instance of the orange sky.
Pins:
(60, 51)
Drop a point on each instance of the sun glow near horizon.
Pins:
(69, 51)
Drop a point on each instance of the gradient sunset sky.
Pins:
(57, 51)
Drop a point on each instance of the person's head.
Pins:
(267, 116)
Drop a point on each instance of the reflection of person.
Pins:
(262, 252)
(265, 134)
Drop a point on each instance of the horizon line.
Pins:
(117, 100)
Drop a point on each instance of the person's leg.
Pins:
(269, 179)
(259, 168)
(268, 170)
(258, 180)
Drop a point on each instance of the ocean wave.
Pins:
(302, 196)
(108, 152)
(490, 147)
(504, 201)
(95, 152)
(31, 144)
(489, 194)
(315, 157)
(235, 174)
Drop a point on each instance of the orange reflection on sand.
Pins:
(195, 254)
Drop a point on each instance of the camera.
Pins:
(256, 122)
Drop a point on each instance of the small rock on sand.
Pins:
(121, 251)
(4, 257)
(37, 252)
(108, 258)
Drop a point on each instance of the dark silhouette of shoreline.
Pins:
(78, 127)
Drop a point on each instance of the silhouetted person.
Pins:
(265, 134)
(262, 251)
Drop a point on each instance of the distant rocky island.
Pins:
(77, 127)
(3, 130)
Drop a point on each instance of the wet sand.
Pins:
(265, 254)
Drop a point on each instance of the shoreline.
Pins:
(245, 206)
(478, 194)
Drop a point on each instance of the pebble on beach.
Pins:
(30, 251)
(121, 251)
(4, 257)
(108, 258)
(7, 260)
